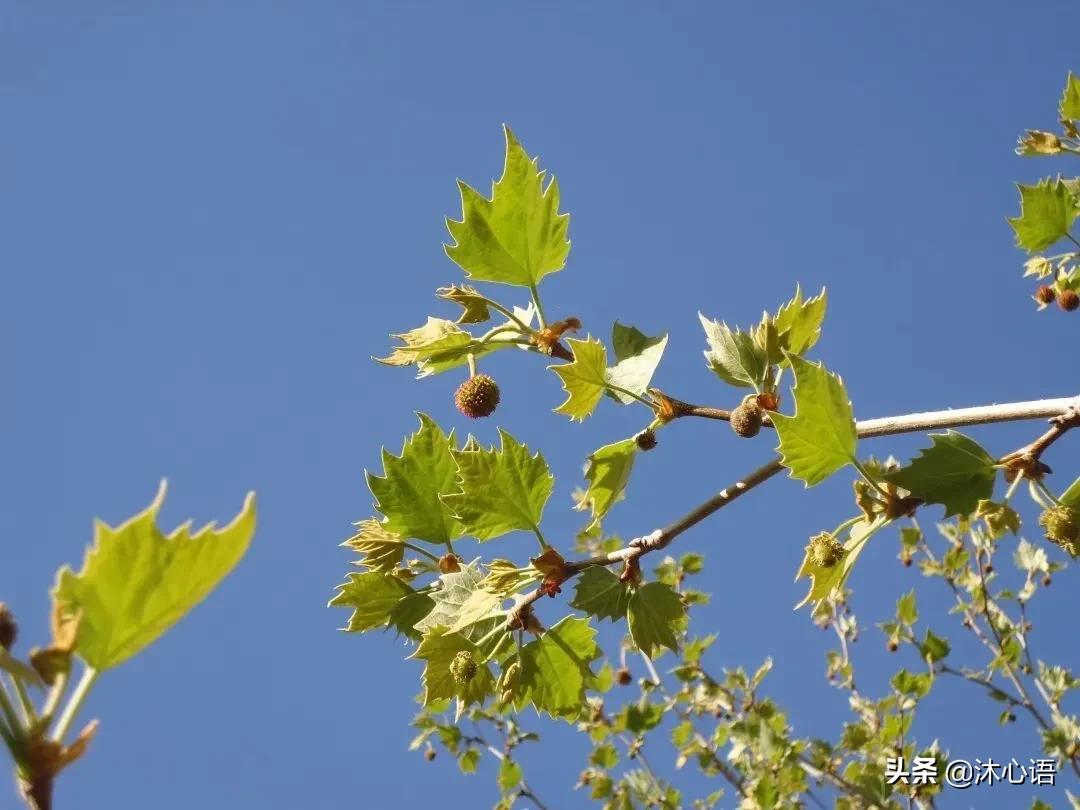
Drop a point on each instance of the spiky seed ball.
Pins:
(463, 667)
(746, 419)
(429, 754)
(623, 676)
(1045, 294)
(646, 440)
(477, 397)
(1069, 300)
(824, 550)
(1062, 526)
(9, 631)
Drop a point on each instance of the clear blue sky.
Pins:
(213, 213)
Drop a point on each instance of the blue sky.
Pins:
(213, 214)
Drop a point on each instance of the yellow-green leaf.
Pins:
(1070, 100)
(136, 582)
(584, 379)
(1047, 211)
(636, 357)
(733, 355)
(555, 668)
(501, 490)
(798, 322)
(438, 648)
(373, 596)
(608, 471)
(516, 237)
(382, 550)
(954, 471)
(411, 489)
(820, 438)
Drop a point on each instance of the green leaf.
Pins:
(136, 582)
(555, 668)
(656, 614)
(509, 774)
(820, 438)
(516, 237)
(933, 647)
(501, 490)
(438, 648)
(410, 491)
(906, 612)
(474, 305)
(826, 581)
(585, 379)
(469, 760)
(955, 472)
(607, 471)
(733, 355)
(461, 602)
(1070, 100)
(641, 719)
(798, 322)
(408, 612)
(1047, 210)
(383, 551)
(373, 596)
(440, 345)
(600, 592)
(636, 357)
(1071, 496)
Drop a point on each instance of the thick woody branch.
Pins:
(1063, 412)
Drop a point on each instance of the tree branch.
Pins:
(1063, 412)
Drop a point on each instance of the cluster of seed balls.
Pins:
(1068, 300)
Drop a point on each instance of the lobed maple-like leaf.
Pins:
(500, 491)
(798, 322)
(607, 471)
(136, 582)
(411, 489)
(733, 355)
(1047, 210)
(555, 668)
(440, 345)
(954, 471)
(382, 550)
(438, 649)
(584, 379)
(461, 601)
(516, 237)
(820, 438)
(601, 593)
(656, 615)
(373, 597)
(636, 357)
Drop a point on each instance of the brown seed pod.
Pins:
(1045, 295)
(746, 419)
(9, 630)
(477, 397)
(1069, 300)
(646, 440)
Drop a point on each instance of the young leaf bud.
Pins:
(477, 397)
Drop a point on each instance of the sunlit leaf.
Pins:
(584, 379)
(636, 357)
(1047, 210)
(373, 596)
(954, 471)
(607, 471)
(438, 648)
(555, 669)
(601, 593)
(733, 355)
(824, 581)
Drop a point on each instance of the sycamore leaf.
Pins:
(1047, 210)
(608, 471)
(826, 581)
(136, 582)
(509, 774)
(636, 357)
(1071, 496)
(500, 490)
(1070, 100)
(555, 668)
(600, 592)
(656, 614)
(461, 602)
(516, 237)
(439, 345)
(438, 648)
(373, 596)
(408, 612)
(798, 322)
(733, 355)
(954, 471)
(473, 304)
(820, 438)
(411, 489)
(584, 379)
(383, 550)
